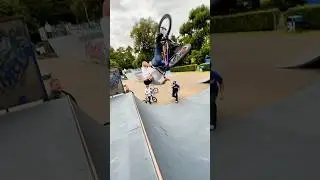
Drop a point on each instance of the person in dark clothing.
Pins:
(157, 60)
(56, 91)
(216, 88)
(175, 90)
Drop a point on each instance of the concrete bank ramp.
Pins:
(178, 134)
(47, 142)
(69, 47)
(130, 153)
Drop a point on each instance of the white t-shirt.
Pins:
(146, 72)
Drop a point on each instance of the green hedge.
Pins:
(264, 20)
(310, 13)
(205, 67)
(192, 67)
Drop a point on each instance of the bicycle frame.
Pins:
(166, 55)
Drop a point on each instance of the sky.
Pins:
(125, 13)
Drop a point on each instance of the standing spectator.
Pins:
(216, 88)
(48, 29)
(175, 90)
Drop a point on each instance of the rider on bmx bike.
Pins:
(166, 52)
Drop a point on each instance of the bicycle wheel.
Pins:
(162, 23)
(155, 90)
(154, 99)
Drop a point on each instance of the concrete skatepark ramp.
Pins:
(307, 60)
(276, 142)
(160, 141)
(69, 47)
(52, 141)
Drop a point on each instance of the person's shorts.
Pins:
(147, 82)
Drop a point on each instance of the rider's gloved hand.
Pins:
(159, 37)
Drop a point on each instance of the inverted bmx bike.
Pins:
(173, 52)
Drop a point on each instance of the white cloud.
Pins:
(125, 13)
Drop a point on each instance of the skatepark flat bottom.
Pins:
(188, 81)
(178, 134)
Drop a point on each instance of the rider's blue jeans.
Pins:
(157, 59)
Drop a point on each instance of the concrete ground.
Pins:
(188, 81)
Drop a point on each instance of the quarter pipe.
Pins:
(52, 141)
(160, 141)
(307, 60)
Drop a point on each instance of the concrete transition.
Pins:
(160, 141)
(277, 142)
(307, 60)
(54, 140)
(69, 47)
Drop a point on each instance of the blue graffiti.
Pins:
(115, 79)
(16, 53)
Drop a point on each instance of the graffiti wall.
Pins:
(115, 83)
(20, 80)
(95, 51)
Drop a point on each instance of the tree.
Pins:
(141, 57)
(19, 8)
(283, 5)
(197, 27)
(173, 38)
(121, 58)
(143, 33)
(222, 7)
(196, 32)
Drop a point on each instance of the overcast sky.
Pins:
(125, 13)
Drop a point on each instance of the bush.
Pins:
(191, 67)
(205, 67)
(265, 20)
(310, 13)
